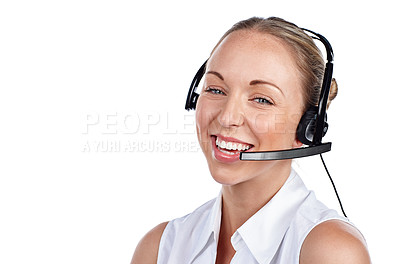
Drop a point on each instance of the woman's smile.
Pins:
(227, 149)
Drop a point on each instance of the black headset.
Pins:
(313, 124)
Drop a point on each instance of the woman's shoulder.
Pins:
(147, 249)
(184, 227)
(334, 241)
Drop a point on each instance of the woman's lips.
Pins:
(227, 149)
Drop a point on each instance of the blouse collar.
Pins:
(263, 232)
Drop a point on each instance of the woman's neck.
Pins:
(243, 200)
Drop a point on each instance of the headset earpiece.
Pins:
(307, 126)
(192, 96)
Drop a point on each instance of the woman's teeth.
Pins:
(221, 144)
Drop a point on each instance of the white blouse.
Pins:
(274, 234)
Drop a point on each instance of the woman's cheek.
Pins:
(273, 130)
(203, 120)
(262, 123)
(294, 120)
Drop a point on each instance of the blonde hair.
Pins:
(309, 58)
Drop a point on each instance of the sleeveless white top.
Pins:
(274, 234)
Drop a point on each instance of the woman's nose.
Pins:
(231, 114)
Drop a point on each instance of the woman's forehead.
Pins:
(255, 55)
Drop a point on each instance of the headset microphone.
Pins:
(286, 154)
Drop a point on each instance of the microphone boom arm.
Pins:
(286, 154)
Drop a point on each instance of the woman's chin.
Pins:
(227, 174)
(226, 180)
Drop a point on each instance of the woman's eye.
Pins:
(262, 100)
(214, 90)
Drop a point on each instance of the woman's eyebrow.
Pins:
(216, 74)
(255, 82)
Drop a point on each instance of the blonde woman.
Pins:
(259, 80)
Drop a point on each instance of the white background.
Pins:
(74, 74)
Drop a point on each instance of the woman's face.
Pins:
(251, 101)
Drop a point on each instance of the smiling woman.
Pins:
(259, 80)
